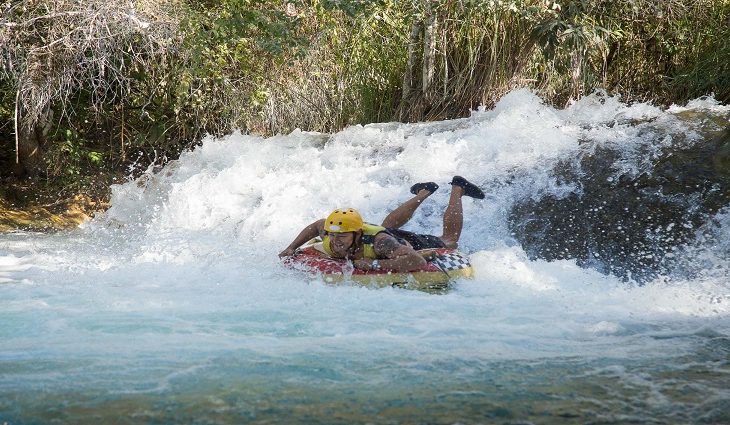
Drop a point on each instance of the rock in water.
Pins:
(632, 224)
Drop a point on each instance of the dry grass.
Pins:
(51, 50)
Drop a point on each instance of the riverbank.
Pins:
(25, 207)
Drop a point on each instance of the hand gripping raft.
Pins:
(442, 266)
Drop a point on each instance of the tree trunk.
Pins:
(410, 81)
(30, 141)
(429, 49)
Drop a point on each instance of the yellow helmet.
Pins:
(343, 220)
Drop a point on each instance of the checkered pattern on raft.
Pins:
(452, 261)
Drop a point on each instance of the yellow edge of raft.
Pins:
(411, 280)
(415, 280)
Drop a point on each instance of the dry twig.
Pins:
(51, 50)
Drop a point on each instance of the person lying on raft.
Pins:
(370, 247)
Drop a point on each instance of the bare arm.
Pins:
(312, 231)
(396, 256)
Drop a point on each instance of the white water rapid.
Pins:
(173, 307)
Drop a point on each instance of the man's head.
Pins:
(344, 227)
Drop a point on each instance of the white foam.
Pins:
(187, 256)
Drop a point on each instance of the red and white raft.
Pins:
(443, 265)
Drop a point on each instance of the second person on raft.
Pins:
(370, 247)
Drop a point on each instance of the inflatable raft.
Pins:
(443, 265)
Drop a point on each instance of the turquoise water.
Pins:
(173, 307)
(560, 391)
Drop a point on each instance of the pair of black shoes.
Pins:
(470, 189)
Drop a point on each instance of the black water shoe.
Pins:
(470, 189)
(429, 186)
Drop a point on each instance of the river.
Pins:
(173, 307)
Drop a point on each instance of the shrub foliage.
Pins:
(112, 86)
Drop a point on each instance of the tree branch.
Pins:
(17, 136)
(31, 22)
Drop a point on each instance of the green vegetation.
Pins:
(102, 88)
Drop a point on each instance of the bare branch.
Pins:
(15, 122)
(32, 21)
(70, 46)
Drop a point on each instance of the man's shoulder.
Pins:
(385, 244)
(384, 236)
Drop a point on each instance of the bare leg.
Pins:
(453, 218)
(400, 216)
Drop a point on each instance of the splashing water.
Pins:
(173, 306)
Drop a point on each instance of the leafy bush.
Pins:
(105, 85)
